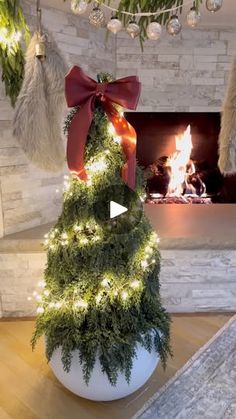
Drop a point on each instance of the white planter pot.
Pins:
(99, 387)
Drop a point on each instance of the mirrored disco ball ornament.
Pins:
(193, 17)
(174, 26)
(154, 30)
(79, 6)
(96, 16)
(133, 29)
(114, 25)
(214, 5)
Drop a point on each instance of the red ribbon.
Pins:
(82, 91)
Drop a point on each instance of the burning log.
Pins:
(174, 177)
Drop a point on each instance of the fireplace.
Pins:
(179, 154)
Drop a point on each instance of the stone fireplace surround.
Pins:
(198, 245)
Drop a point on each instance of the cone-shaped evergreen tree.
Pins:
(101, 292)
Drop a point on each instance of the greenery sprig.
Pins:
(13, 29)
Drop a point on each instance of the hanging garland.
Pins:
(13, 28)
(143, 13)
(144, 18)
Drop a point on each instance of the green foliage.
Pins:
(12, 22)
(102, 289)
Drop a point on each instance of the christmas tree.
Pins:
(101, 289)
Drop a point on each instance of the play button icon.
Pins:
(116, 209)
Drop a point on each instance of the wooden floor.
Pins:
(29, 390)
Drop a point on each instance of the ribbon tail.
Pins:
(128, 143)
(77, 137)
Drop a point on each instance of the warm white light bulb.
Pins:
(81, 304)
(124, 295)
(89, 181)
(41, 284)
(40, 310)
(84, 241)
(98, 298)
(96, 238)
(17, 36)
(135, 284)
(77, 228)
(105, 282)
(144, 264)
(111, 129)
(98, 166)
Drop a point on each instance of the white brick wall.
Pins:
(19, 273)
(198, 280)
(186, 73)
(191, 281)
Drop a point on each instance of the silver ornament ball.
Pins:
(79, 6)
(174, 26)
(96, 17)
(214, 5)
(193, 17)
(133, 29)
(114, 25)
(154, 30)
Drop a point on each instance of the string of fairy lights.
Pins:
(97, 17)
(123, 291)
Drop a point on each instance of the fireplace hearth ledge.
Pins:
(198, 249)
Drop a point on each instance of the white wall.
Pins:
(185, 73)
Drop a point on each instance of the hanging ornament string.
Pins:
(143, 23)
(146, 14)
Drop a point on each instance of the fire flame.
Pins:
(181, 166)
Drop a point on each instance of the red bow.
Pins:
(82, 91)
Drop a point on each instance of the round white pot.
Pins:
(99, 387)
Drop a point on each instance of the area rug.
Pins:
(205, 388)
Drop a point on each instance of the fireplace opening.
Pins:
(179, 155)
